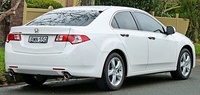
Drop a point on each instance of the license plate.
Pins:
(38, 39)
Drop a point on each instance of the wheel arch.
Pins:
(122, 54)
(191, 51)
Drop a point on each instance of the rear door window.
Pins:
(124, 20)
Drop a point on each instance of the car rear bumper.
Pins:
(76, 62)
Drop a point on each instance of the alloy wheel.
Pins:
(185, 64)
(115, 71)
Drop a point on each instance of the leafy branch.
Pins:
(10, 11)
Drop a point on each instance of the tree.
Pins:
(6, 10)
(190, 9)
(11, 11)
(163, 8)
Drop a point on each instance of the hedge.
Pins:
(43, 4)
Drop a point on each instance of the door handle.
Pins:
(124, 35)
(152, 38)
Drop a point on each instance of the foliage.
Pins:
(4, 5)
(197, 49)
(43, 4)
(2, 77)
(146, 5)
(160, 7)
(164, 9)
(190, 9)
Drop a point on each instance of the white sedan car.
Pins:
(108, 43)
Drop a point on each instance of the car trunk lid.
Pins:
(39, 39)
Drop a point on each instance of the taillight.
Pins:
(73, 39)
(14, 37)
(61, 38)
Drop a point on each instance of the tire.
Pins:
(34, 80)
(184, 66)
(113, 73)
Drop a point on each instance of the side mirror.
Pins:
(170, 30)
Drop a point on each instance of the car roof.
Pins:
(98, 8)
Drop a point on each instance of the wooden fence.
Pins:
(180, 24)
(32, 13)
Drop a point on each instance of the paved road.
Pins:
(158, 84)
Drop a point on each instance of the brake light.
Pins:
(61, 38)
(14, 37)
(73, 39)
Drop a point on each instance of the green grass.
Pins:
(2, 64)
(197, 49)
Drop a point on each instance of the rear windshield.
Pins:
(66, 18)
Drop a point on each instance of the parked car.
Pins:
(108, 43)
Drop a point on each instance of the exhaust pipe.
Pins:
(67, 75)
(11, 72)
